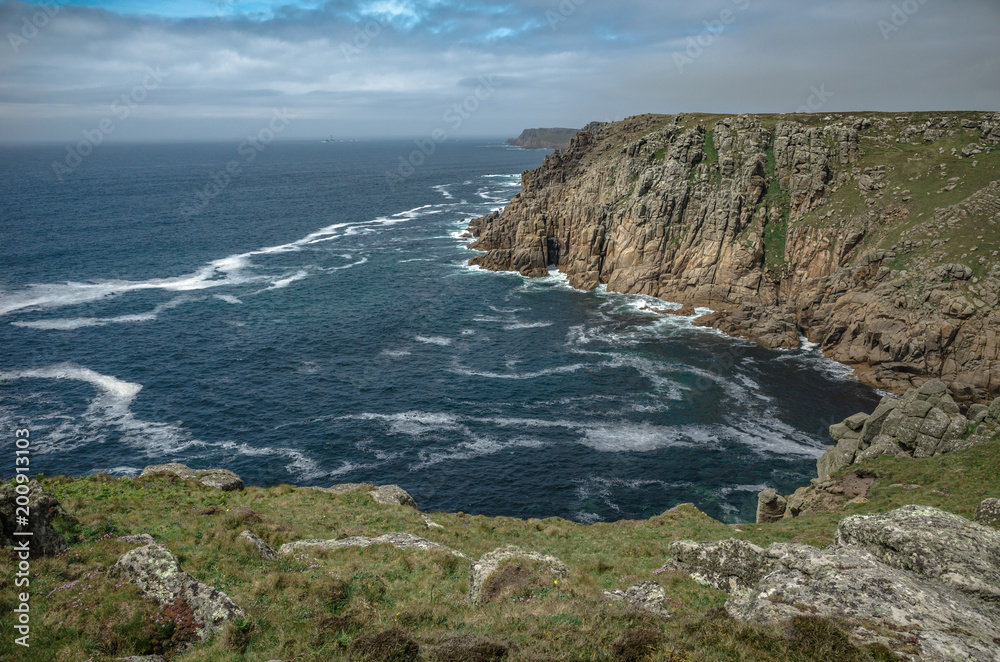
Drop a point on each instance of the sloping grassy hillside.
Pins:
(326, 606)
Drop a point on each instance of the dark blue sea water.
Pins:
(309, 324)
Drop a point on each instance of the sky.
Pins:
(178, 70)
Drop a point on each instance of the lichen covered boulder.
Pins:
(988, 511)
(393, 495)
(931, 543)
(918, 580)
(645, 596)
(159, 576)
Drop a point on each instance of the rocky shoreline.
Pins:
(872, 235)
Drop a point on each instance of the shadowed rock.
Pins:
(158, 575)
(44, 512)
(483, 569)
(265, 550)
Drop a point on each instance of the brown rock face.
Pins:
(780, 224)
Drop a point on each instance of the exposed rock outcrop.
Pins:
(158, 575)
(988, 512)
(759, 218)
(917, 579)
(485, 580)
(925, 422)
(646, 596)
(258, 543)
(219, 479)
(44, 515)
(393, 495)
(388, 495)
(770, 507)
(398, 540)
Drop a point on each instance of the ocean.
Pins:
(307, 319)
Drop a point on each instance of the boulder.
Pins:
(265, 550)
(44, 513)
(483, 571)
(916, 618)
(728, 565)
(393, 495)
(919, 580)
(988, 512)
(219, 479)
(931, 543)
(770, 506)
(645, 596)
(158, 575)
(398, 540)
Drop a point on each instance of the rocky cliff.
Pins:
(874, 235)
(544, 138)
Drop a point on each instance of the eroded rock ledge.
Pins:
(789, 226)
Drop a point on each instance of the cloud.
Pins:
(393, 67)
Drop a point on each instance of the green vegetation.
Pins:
(776, 202)
(353, 603)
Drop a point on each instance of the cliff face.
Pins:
(873, 235)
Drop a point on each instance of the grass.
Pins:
(318, 606)
(775, 233)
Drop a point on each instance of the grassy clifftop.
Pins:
(328, 605)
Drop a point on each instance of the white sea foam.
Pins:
(476, 446)
(443, 190)
(434, 340)
(517, 326)
(110, 408)
(635, 437)
(225, 272)
(459, 369)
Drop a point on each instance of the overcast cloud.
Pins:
(215, 69)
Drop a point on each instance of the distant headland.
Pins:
(544, 138)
